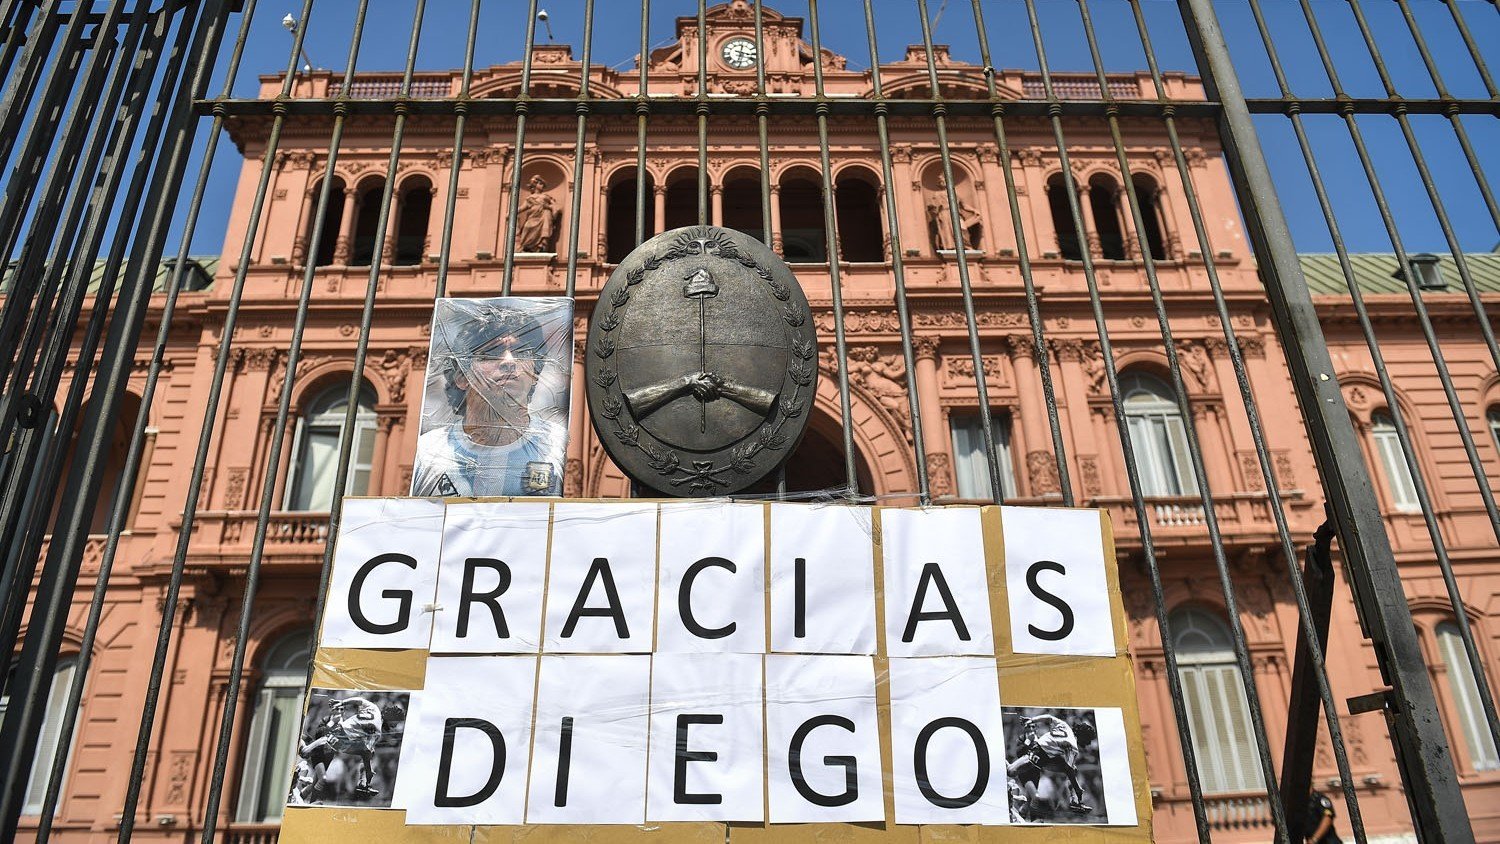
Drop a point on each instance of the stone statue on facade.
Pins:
(940, 219)
(537, 220)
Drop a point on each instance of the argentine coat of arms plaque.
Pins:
(701, 362)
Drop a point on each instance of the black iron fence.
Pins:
(107, 104)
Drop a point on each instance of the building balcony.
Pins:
(291, 537)
(1181, 520)
(252, 833)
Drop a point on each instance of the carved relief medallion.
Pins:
(702, 362)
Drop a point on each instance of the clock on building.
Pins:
(739, 53)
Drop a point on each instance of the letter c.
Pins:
(685, 599)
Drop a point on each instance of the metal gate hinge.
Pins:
(1375, 701)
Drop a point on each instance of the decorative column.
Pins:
(908, 204)
(1086, 213)
(659, 208)
(385, 425)
(346, 230)
(935, 440)
(776, 219)
(577, 424)
(1031, 182)
(1069, 387)
(997, 223)
(1041, 467)
(1206, 416)
(1127, 222)
(716, 213)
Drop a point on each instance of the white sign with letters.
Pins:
(640, 663)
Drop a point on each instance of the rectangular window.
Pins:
(269, 749)
(1482, 751)
(1220, 728)
(316, 466)
(47, 745)
(971, 468)
(1161, 454)
(1393, 460)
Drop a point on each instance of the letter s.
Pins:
(1048, 598)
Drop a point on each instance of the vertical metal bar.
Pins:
(1033, 309)
(21, 186)
(960, 252)
(762, 134)
(17, 20)
(579, 141)
(1127, 448)
(129, 474)
(1417, 728)
(1458, 130)
(450, 207)
(205, 436)
(33, 58)
(283, 409)
(60, 574)
(898, 265)
(34, 470)
(1455, 405)
(519, 152)
(1463, 31)
(642, 113)
(1190, 430)
(1307, 614)
(831, 254)
(701, 109)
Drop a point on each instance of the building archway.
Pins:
(818, 462)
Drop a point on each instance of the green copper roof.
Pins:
(200, 274)
(1375, 273)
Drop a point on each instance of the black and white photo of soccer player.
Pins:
(1052, 763)
(349, 747)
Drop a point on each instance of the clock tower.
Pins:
(734, 57)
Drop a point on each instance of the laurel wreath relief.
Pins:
(704, 474)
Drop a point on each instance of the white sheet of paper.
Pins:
(494, 689)
(624, 536)
(798, 690)
(914, 541)
(923, 691)
(697, 540)
(515, 535)
(720, 694)
(838, 598)
(1114, 767)
(387, 552)
(608, 699)
(1055, 557)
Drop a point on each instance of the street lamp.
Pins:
(290, 24)
(542, 16)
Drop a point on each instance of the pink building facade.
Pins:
(241, 474)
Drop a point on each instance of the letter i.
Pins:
(799, 613)
(564, 762)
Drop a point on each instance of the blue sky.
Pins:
(617, 40)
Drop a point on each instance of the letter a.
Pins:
(599, 569)
(933, 573)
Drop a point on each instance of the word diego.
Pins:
(707, 660)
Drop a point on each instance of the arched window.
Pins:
(1062, 219)
(1159, 437)
(275, 725)
(411, 228)
(316, 449)
(49, 741)
(1104, 199)
(1213, 691)
(333, 218)
(682, 199)
(1393, 461)
(367, 239)
(856, 205)
(803, 236)
(619, 235)
(742, 205)
(1152, 218)
(1492, 419)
